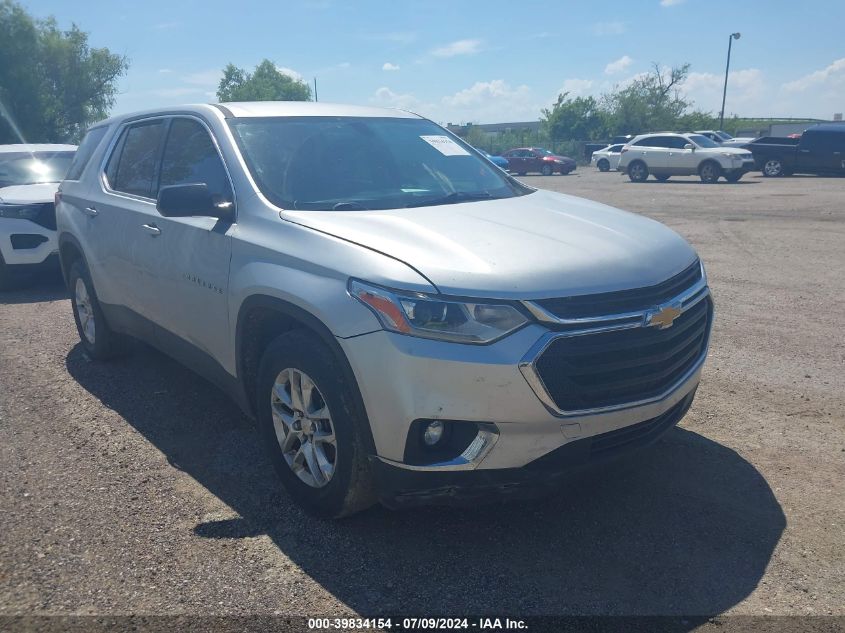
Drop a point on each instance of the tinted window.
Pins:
(655, 141)
(614, 149)
(83, 153)
(132, 166)
(25, 168)
(349, 163)
(190, 157)
(702, 141)
(823, 141)
(676, 142)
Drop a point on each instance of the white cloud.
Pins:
(609, 28)
(484, 91)
(746, 91)
(398, 37)
(385, 97)
(575, 87)
(618, 66)
(832, 75)
(389, 66)
(670, 3)
(344, 65)
(290, 72)
(461, 47)
(164, 70)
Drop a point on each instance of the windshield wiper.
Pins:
(325, 205)
(451, 198)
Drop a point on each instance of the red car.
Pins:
(525, 160)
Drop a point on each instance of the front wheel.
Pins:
(638, 171)
(734, 177)
(709, 172)
(773, 168)
(310, 426)
(546, 170)
(603, 165)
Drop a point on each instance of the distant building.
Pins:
(495, 129)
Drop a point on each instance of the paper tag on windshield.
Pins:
(445, 145)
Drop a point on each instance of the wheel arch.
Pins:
(261, 318)
(70, 250)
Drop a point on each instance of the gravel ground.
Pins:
(136, 487)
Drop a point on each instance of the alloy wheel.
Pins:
(85, 310)
(303, 426)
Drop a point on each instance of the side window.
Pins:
(83, 152)
(132, 166)
(678, 142)
(651, 141)
(190, 157)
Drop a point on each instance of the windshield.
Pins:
(702, 141)
(351, 163)
(543, 151)
(24, 168)
(724, 135)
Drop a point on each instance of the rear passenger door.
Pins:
(184, 264)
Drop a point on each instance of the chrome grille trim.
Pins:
(598, 325)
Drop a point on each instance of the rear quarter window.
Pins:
(84, 152)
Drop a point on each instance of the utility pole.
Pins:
(731, 38)
(316, 99)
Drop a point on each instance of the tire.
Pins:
(603, 165)
(734, 177)
(773, 168)
(328, 479)
(662, 177)
(98, 339)
(638, 171)
(547, 170)
(709, 172)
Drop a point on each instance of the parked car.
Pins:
(29, 177)
(607, 158)
(667, 154)
(406, 321)
(819, 150)
(499, 161)
(724, 139)
(527, 160)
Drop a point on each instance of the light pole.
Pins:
(731, 38)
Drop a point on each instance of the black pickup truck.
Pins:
(820, 150)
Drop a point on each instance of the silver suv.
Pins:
(668, 154)
(405, 321)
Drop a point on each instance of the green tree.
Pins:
(568, 119)
(265, 83)
(650, 102)
(53, 85)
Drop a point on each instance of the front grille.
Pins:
(622, 301)
(614, 368)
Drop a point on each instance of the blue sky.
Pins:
(480, 61)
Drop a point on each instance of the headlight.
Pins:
(429, 316)
(557, 160)
(19, 211)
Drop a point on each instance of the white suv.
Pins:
(406, 321)
(29, 177)
(667, 154)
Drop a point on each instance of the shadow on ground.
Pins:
(43, 286)
(687, 527)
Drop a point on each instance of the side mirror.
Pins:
(194, 199)
(689, 146)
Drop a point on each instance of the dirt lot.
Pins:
(136, 487)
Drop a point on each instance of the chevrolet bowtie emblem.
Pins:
(663, 318)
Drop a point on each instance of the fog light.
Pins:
(433, 432)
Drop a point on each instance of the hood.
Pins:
(540, 245)
(724, 149)
(29, 194)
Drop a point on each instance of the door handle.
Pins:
(152, 229)
(90, 212)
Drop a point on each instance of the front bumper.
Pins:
(405, 379)
(18, 250)
(400, 487)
